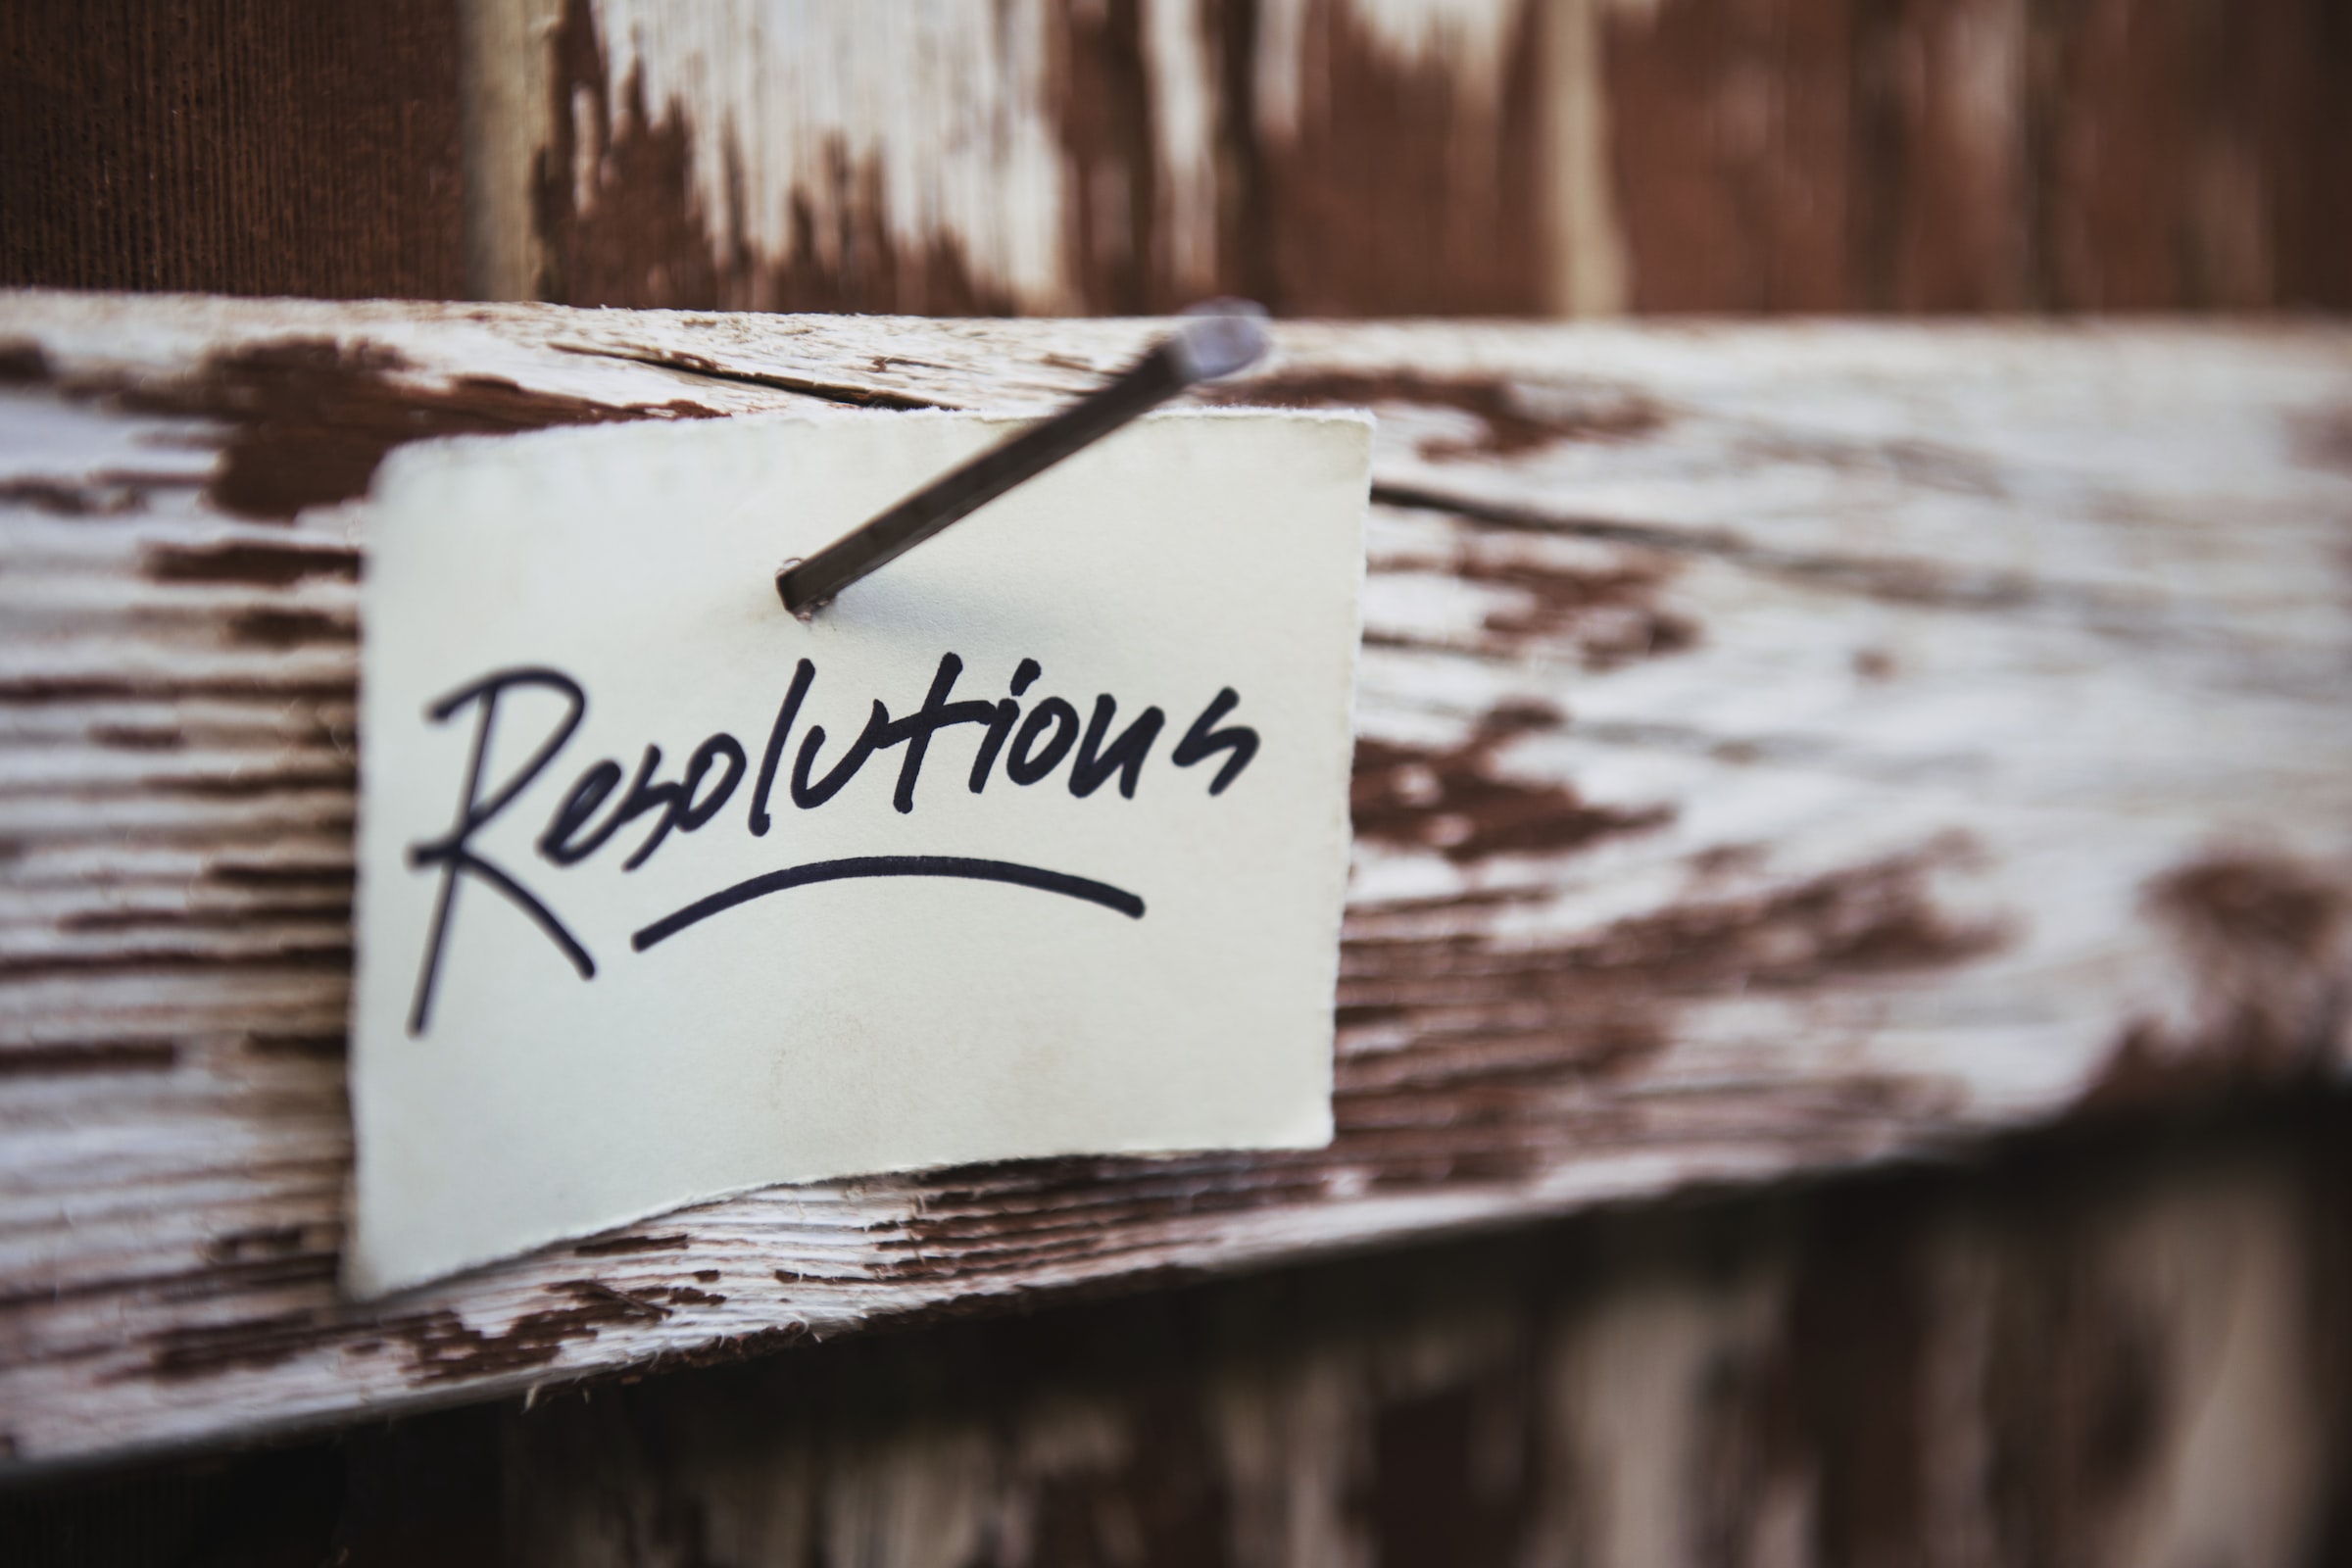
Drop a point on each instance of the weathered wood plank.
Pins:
(2111, 1353)
(1778, 747)
(1421, 157)
(1329, 157)
(2091, 1345)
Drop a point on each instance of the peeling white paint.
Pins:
(2102, 593)
(934, 124)
(942, 105)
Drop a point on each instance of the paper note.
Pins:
(1033, 843)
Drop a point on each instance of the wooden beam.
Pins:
(1779, 748)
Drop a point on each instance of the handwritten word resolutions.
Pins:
(1033, 843)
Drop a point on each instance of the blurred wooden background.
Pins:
(2121, 1344)
(1087, 157)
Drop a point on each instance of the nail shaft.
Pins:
(1205, 346)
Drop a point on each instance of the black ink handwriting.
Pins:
(588, 815)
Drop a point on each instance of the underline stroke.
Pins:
(860, 865)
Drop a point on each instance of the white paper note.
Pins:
(1033, 843)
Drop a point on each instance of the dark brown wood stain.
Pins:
(643, 237)
(102, 500)
(1610, 617)
(2259, 936)
(1403, 191)
(1458, 804)
(1443, 1491)
(441, 1345)
(291, 628)
(240, 918)
(1814, 155)
(2242, 904)
(1857, 1344)
(330, 1047)
(271, 148)
(328, 956)
(87, 1056)
(1116, 253)
(139, 738)
(2076, 1394)
(1499, 1039)
(1510, 1020)
(675, 1242)
(1509, 424)
(263, 566)
(311, 419)
(1731, 147)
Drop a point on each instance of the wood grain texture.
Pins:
(1414, 156)
(1328, 156)
(2110, 1343)
(2114, 1352)
(277, 148)
(1778, 749)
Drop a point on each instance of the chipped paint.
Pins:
(2263, 941)
(1460, 803)
(1657, 881)
(1511, 421)
(1038, 157)
(919, 132)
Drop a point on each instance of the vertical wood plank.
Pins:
(2110, 1347)
(1331, 156)
(1486, 157)
(2101, 1350)
(2185, 150)
(504, 68)
(1941, 125)
(275, 148)
(1401, 161)
(1732, 141)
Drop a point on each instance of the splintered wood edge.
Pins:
(1737, 794)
